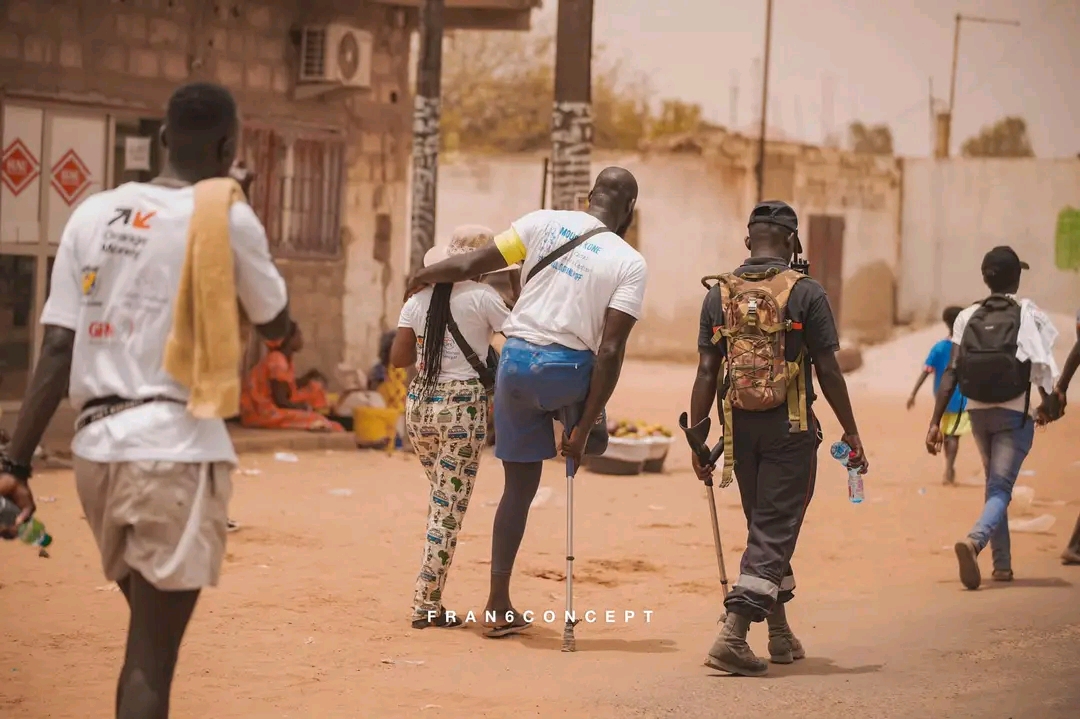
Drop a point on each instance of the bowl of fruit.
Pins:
(633, 447)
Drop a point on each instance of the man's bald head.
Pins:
(613, 197)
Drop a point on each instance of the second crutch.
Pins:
(696, 437)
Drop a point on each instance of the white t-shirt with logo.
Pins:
(116, 274)
(566, 301)
(479, 312)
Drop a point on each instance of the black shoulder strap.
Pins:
(563, 250)
(470, 356)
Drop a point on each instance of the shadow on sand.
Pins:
(549, 639)
(810, 667)
(1029, 582)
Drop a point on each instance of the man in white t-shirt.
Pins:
(153, 480)
(566, 339)
(1001, 347)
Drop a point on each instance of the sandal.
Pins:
(506, 630)
(442, 621)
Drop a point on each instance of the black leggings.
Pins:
(522, 481)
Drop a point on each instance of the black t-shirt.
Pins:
(807, 305)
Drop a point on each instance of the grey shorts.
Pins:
(165, 520)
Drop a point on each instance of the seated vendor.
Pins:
(274, 398)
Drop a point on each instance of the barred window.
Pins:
(297, 191)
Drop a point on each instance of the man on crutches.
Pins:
(582, 291)
(762, 327)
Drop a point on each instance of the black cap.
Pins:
(775, 212)
(1002, 261)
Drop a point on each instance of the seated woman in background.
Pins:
(274, 398)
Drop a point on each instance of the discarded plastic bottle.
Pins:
(32, 532)
(842, 453)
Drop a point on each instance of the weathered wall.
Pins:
(692, 222)
(956, 210)
(127, 56)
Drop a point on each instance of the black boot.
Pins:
(784, 648)
(730, 653)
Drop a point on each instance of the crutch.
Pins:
(696, 437)
(568, 642)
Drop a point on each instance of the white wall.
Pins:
(956, 210)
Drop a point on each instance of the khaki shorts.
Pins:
(164, 520)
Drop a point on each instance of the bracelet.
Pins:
(21, 472)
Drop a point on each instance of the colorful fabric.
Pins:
(447, 429)
(257, 406)
(395, 388)
(938, 362)
(955, 425)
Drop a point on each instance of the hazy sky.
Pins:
(878, 56)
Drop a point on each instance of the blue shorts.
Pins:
(536, 386)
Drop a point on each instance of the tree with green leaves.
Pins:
(870, 139)
(1008, 137)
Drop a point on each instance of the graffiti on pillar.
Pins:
(571, 145)
(425, 162)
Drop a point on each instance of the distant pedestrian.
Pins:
(1001, 346)
(955, 422)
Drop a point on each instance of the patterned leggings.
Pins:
(447, 430)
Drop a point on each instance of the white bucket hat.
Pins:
(466, 238)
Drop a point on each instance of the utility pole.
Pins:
(944, 121)
(426, 113)
(572, 125)
(764, 103)
(733, 111)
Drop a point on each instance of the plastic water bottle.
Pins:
(842, 452)
(32, 532)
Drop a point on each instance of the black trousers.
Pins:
(776, 470)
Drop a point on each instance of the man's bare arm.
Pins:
(608, 366)
(1071, 364)
(834, 387)
(705, 384)
(459, 268)
(47, 388)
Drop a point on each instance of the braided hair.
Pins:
(438, 317)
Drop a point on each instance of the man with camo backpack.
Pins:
(762, 327)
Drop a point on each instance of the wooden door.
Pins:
(826, 256)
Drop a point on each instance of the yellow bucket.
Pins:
(374, 425)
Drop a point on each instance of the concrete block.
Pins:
(270, 49)
(165, 32)
(282, 79)
(23, 12)
(131, 28)
(71, 54)
(236, 44)
(260, 17)
(381, 64)
(144, 63)
(175, 66)
(259, 77)
(10, 45)
(371, 143)
(219, 40)
(229, 73)
(113, 58)
(38, 49)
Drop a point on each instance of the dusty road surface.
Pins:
(311, 619)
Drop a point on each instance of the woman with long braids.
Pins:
(447, 407)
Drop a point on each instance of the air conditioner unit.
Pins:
(335, 54)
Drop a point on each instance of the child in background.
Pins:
(955, 421)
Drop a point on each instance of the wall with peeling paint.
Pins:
(956, 210)
(692, 215)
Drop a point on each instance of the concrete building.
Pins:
(696, 195)
(325, 98)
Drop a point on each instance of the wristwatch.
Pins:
(21, 472)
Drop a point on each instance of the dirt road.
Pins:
(311, 619)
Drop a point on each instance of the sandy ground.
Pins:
(311, 619)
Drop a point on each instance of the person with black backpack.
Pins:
(1001, 347)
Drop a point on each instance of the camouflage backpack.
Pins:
(757, 375)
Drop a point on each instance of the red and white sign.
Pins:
(70, 177)
(19, 167)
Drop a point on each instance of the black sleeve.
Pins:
(819, 327)
(712, 316)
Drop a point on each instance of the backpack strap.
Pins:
(563, 249)
(482, 369)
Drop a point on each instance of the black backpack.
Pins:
(987, 367)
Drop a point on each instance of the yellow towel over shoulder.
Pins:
(203, 349)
